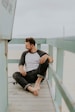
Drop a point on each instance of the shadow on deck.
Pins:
(23, 101)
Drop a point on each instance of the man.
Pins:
(32, 67)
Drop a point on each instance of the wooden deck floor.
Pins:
(23, 101)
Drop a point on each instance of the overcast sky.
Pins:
(44, 18)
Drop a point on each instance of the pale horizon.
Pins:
(44, 18)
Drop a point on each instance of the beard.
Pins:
(29, 50)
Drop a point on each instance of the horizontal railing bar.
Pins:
(65, 44)
(13, 60)
(69, 38)
(22, 41)
(65, 94)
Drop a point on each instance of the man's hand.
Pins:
(50, 59)
(21, 70)
(23, 73)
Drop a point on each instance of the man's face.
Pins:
(28, 46)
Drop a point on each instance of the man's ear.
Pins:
(32, 45)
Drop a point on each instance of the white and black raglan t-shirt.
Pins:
(31, 60)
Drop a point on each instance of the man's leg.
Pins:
(24, 83)
(41, 73)
(20, 79)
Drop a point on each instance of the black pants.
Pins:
(31, 76)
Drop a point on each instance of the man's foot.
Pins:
(33, 90)
(37, 86)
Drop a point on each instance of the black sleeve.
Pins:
(41, 53)
(22, 59)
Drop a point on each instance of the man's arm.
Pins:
(21, 70)
(22, 63)
(50, 59)
(45, 57)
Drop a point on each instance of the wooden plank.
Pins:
(23, 101)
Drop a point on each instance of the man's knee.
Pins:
(43, 67)
(15, 75)
(46, 63)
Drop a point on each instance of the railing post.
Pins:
(50, 52)
(3, 77)
(59, 71)
(39, 46)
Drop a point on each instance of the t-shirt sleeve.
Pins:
(22, 59)
(41, 53)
